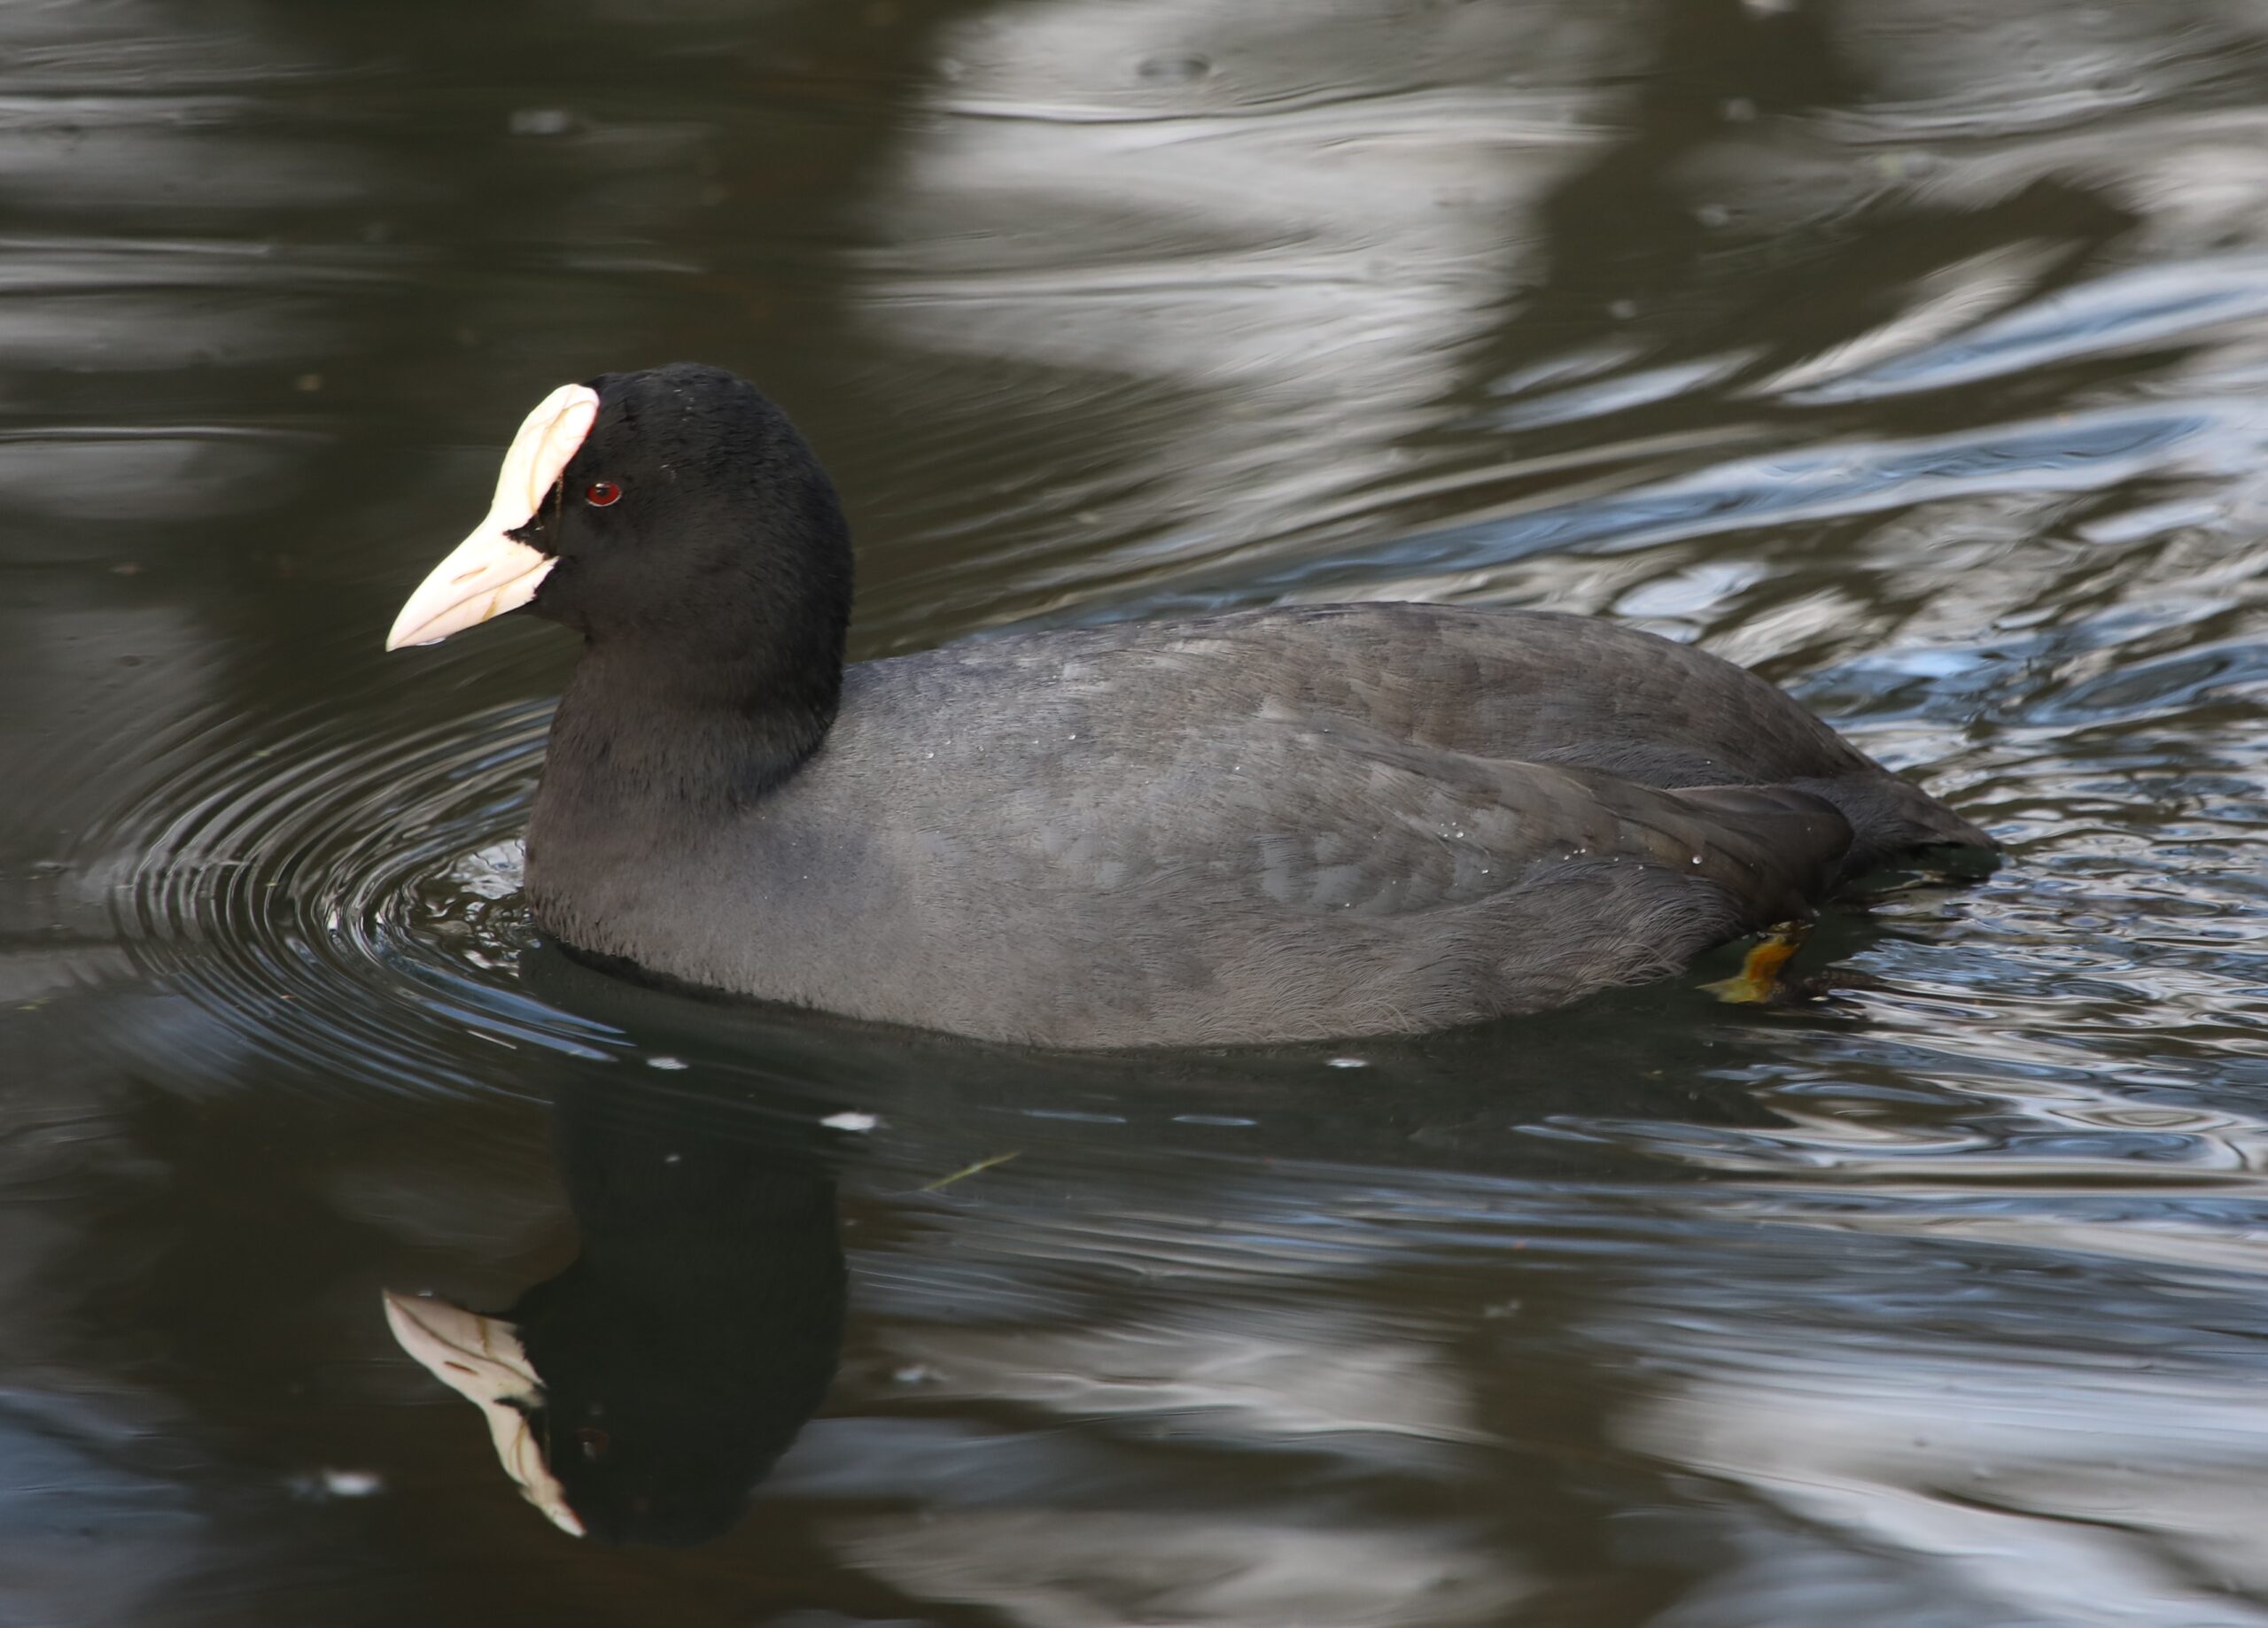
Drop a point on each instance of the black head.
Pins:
(674, 509)
(676, 519)
(694, 517)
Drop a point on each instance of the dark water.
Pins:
(1914, 352)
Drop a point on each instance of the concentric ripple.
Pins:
(351, 902)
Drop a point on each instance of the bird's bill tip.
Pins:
(484, 576)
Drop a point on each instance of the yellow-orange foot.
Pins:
(1758, 982)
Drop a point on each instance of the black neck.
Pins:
(645, 722)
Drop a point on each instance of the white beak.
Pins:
(481, 1360)
(488, 573)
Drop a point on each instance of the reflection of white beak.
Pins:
(488, 573)
(481, 1360)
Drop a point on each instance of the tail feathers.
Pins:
(1890, 818)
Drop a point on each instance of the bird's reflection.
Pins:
(639, 1396)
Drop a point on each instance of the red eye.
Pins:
(601, 493)
(593, 1441)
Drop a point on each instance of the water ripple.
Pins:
(350, 904)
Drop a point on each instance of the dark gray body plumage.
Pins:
(1270, 826)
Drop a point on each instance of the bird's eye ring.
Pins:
(601, 493)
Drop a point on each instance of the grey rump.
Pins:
(1272, 826)
(1280, 824)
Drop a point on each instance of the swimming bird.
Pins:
(1297, 823)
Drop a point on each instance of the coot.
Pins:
(1275, 824)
